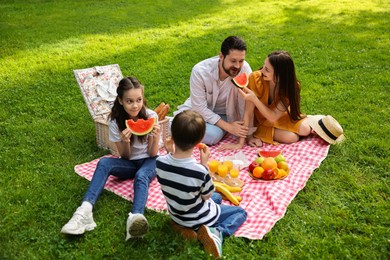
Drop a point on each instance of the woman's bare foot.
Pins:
(254, 142)
(230, 147)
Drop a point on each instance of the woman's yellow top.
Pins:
(265, 129)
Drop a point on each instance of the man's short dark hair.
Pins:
(232, 43)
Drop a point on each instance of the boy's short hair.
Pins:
(188, 129)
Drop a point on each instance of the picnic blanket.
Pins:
(265, 201)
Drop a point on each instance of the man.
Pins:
(214, 96)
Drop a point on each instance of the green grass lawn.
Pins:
(342, 53)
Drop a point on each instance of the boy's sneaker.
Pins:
(79, 223)
(136, 226)
(186, 233)
(211, 239)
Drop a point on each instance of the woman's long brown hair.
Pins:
(287, 86)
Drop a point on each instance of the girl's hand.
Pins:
(125, 135)
(156, 131)
(248, 94)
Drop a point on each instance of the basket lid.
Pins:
(98, 86)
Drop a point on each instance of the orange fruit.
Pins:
(283, 165)
(269, 163)
(234, 173)
(213, 165)
(229, 164)
(258, 171)
(222, 170)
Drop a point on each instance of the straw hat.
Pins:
(327, 128)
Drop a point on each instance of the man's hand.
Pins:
(238, 129)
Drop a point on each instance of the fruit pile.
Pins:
(269, 165)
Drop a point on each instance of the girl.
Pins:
(273, 97)
(138, 161)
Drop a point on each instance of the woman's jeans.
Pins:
(213, 134)
(231, 218)
(143, 171)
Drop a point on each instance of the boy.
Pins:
(189, 190)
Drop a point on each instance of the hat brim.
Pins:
(313, 123)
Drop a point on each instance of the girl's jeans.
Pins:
(143, 171)
(231, 218)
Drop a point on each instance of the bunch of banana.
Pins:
(226, 192)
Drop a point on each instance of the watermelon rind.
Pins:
(241, 81)
(141, 127)
(269, 153)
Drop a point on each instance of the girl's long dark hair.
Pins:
(118, 112)
(287, 86)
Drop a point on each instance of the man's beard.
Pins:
(229, 71)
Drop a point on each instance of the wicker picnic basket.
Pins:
(91, 82)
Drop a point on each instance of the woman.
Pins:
(273, 97)
(138, 161)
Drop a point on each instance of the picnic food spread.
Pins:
(225, 178)
(141, 127)
(269, 165)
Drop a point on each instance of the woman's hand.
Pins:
(248, 94)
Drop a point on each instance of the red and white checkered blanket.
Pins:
(265, 201)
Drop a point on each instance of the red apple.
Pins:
(268, 174)
(253, 165)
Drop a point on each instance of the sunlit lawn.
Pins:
(341, 50)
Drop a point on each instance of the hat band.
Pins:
(323, 127)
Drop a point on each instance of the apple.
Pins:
(268, 174)
(259, 160)
(280, 158)
(253, 165)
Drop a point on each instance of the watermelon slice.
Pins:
(269, 153)
(141, 127)
(241, 81)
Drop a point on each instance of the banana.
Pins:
(226, 193)
(229, 188)
(239, 198)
